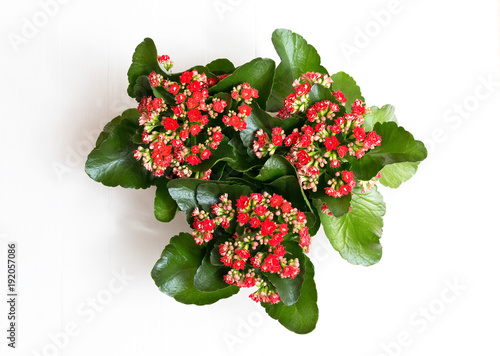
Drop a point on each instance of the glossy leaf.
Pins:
(398, 145)
(183, 191)
(385, 114)
(289, 288)
(356, 235)
(210, 278)
(112, 163)
(302, 316)
(394, 175)
(175, 271)
(165, 206)
(258, 73)
(221, 66)
(297, 57)
(144, 61)
(347, 85)
(337, 206)
(276, 166)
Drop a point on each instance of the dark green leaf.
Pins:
(260, 119)
(356, 235)
(210, 278)
(224, 152)
(221, 66)
(302, 316)
(337, 206)
(259, 73)
(107, 130)
(242, 161)
(394, 175)
(319, 93)
(208, 193)
(385, 114)
(289, 288)
(276, 166)
(398, 145)
(347, 85)
(175, 271)
(113, 162)
(183, 191)
(297, 57)
(165, 205)
(144, 61)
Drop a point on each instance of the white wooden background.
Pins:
(86, 251)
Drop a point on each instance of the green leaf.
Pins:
(385, 114)
(356, 235)
(260, 119)
(337, 206)
(208, 193)
(289, 288)
(165, 206)
(112, 163)
(144, 61)
(347, 85)
(183, 191)
(107, 130)
(221, 66)
(224, 152)
(297, 57)
(302, 316)
(242, 161)
(210, 278)
(398, 145)
(319, 93)
(276, 166)
(175, 271)
(258, 73)
(394, 175)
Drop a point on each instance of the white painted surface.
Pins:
(63, 83)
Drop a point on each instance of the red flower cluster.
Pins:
(177, 137)
(266, 221)
(245, 93)
(321, 146)
(298, 100)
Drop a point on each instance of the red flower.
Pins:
(170, 124)
(359, 133)
(239, 264)
(331, 143)
(194, 115)
(276, 240)
(243, 218)
(303, 157)
(271, 264)
(255, 222)
(245, 110)
(276, 200)
(184, 134)
(193, 160)
(242, 202)
(342, 150)
(243, 253)
(208, 225)
(268, 227)
(280, 251)
(219, 106)
(206, 154)
(186, 77)
(174, 88)
(217, 136)
(286, 207)
(260, 210)
(195, 129)
(347, 176)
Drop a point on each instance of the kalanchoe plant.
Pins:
(258, 157)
